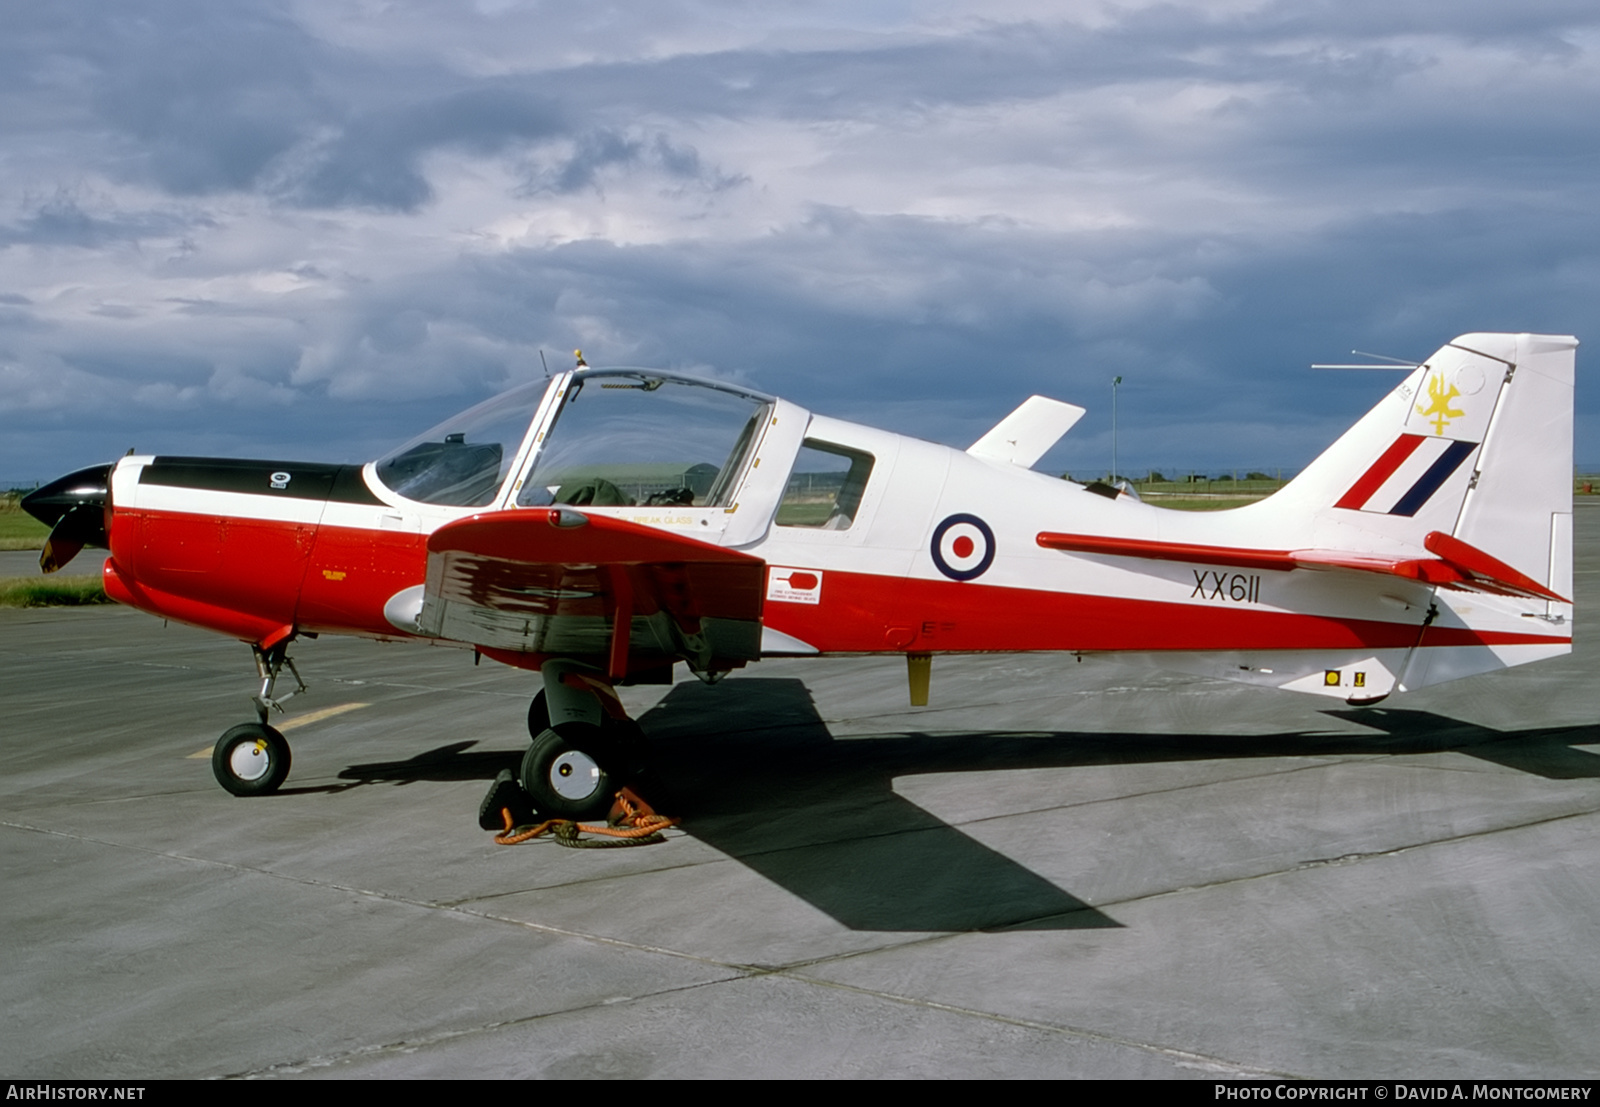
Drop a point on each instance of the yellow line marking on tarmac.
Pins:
(318, 716)
(296, 721)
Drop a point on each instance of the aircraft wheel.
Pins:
(623, 737)
(538, 715)
(250, 760)
(565, 777)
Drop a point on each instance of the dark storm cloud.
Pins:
(374, 160)
(61, 221)
(204, 97)
(601, 149)
(238, 96)
(1330, 49)
(1225, 327)
(200, 98)
(1258, 189)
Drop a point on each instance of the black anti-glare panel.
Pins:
(292, 479)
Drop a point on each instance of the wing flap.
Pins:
(562, 582)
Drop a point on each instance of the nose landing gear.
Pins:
(252, 759)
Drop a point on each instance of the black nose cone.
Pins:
(74, 508)
(86, 487)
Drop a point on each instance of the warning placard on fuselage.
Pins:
(788, 585)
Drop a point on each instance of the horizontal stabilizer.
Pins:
(1022, 437)
(1455, 564)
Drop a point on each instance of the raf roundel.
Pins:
(962, 547)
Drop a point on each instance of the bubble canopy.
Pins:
(463, 461)
(618, 437)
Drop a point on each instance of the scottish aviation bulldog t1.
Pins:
(605, 525)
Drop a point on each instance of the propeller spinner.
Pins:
(74, 508)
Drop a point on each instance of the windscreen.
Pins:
(462, 462)
(631, 438)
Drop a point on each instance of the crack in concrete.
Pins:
(412, 1045)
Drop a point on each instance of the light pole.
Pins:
(1114, 382)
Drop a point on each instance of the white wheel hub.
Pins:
(574, 775)
(249, 760)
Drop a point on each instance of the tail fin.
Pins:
(1440, 524)
(1474, 445)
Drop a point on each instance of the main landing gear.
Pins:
(582, 758)
(252, 759)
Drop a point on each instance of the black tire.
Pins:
(538, 715)
(624, 741)
(566, 773)
(252, 759)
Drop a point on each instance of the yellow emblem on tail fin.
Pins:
(1440, 408)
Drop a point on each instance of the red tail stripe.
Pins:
(1382, 469)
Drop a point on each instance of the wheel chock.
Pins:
(506, 793)
(629, 810)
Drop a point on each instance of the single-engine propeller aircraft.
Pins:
(604, 525)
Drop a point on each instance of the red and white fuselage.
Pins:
(693, 521)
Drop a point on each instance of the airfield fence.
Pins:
(1193, 488)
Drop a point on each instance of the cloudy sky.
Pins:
(310, 229)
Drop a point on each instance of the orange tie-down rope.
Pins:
(637, 825)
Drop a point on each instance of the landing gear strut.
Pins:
(578, 762)
(252, 759)
(269, 663)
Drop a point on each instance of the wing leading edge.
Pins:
(562, 582)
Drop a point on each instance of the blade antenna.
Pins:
(545, 363)
(1405, 361)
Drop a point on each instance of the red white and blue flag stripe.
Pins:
(1407, 475)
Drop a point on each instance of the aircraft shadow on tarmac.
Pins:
(757, 775)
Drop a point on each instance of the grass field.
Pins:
(52, 591)
(18, 529)
(1219, 494)
(1199, 503)
(1205, 495)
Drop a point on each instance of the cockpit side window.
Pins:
(624, 438)
(463, 461)
(825, 487)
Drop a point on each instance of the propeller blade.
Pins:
(55, 555)
(83, 525)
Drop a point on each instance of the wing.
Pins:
(562, 582)
(1455, 564)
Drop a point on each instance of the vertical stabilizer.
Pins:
(1475, 443)
(1464, 469)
